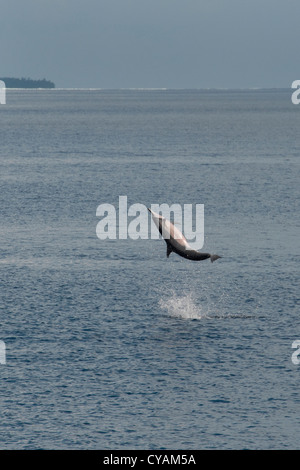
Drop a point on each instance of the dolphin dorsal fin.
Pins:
(169, 249)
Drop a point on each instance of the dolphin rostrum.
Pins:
(176, 241)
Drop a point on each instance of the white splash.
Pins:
(182, 306)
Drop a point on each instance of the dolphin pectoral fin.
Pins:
(169, 250)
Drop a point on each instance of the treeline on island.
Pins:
(26, 83)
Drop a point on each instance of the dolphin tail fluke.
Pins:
(214, 257)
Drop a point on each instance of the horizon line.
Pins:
(154, 88)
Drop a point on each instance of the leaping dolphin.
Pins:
(176, 241)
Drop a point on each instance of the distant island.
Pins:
(27, 83)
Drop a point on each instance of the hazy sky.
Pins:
(152, 43)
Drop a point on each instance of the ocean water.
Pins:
(109, 344)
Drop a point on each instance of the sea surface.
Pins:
(109, 344)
